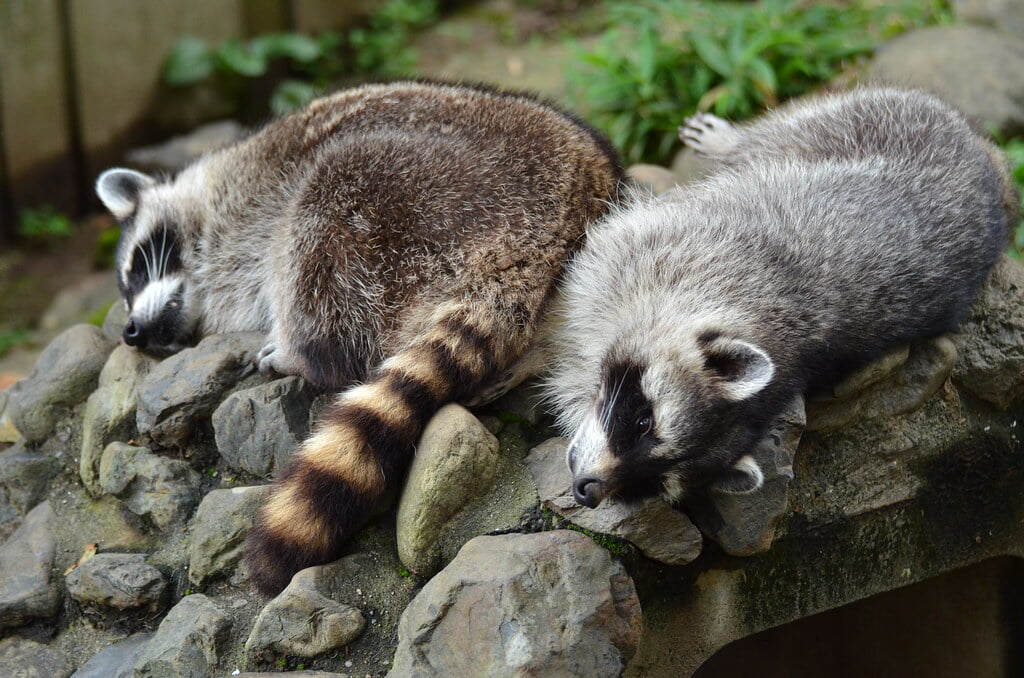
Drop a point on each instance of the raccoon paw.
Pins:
(272, 359)
(709, 135)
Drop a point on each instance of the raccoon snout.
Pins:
(588, 491)
(133, 335)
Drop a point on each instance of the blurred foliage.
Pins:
(106, 247)
(11, 338)
(43, 225)
(658, 61)
(1014, 149)
(380, 48)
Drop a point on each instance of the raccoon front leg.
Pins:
(275, 358)
(710, 136)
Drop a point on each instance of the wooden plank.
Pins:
(37, 152)
(119, 47)
(317, 16)
(267, 16)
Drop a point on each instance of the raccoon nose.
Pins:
(588, 491)
(133, 335)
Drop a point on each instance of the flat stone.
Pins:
(123, 581)
(179, 151)
(687, 166)
(161, 489)
(114, 322)
(660, 532)
(25, 476)
(653, 178)
(218, 532)
(76, 303)
(109, 413)
(27, 591)
(187, 643)
(546, 604)
(258, 429)
(22, 658)
(303, 622)
(293, 674)
(1003, 15)
(978, 70)
(65, 374)
(455, 462)
(116, 660)
(990, 344)
(188, 386)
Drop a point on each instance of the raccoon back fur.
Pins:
(832, 231)
(397, 242)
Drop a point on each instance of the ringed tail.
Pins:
(363, 444)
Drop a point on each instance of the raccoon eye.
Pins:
(173, 304)
(644, 425)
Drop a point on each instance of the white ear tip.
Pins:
(119, 190)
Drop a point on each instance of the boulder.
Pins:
(25, 475)
(161, 489)
(218, 532)
(115, 661)
(23, 658)
(187, 643)
(547, 604)
(1003, 15)
(27, 591)
(653, 178)
(122, 581)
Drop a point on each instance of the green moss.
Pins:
(617, 547)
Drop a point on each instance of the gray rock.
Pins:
(303, 622)
(1004, 15)
(744, 524)
(161, 489)
(659, 531)
(27, 591)
(187, 387)
(258, 429)
(990, 344)
(872, 373)
(293, 674)
(654, 178)
(109, 413)
(455, 462)
(115, 320)
(25, 475)
(179, 151)
(21, 658)
(123, 581)
(928, 364)
(115, 661)
(67, 371)
(75, 304)
(978, 70)
(188, 642)
(218, 532)
(547, 604)
(688, 166)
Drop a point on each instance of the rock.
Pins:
(115, 661)
(27, 591)
(75, 304)
(179, 151)
(67, 372)
(188, 386)
(164, 490)
(25, 476)
(114, 322)
(654, 178)
(123, 581)
(109, 413)
(990, 344)
(687, 166)
(187, 643)
(218, 531)
(455, 462)
(1004, 15)
(659, 531)
(258, 429)
(21, 658)
(744, 524)
(546, 604)
(872, 373)
(928, 364)
(303, 622)
(292, 674)
(978, 70)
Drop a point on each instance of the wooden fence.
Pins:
(78, 81)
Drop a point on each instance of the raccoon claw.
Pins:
(709, 135)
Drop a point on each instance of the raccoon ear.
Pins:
(745, 369)
(119, 190)
(744, 477)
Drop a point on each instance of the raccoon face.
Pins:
(668, 424)
(150, 271)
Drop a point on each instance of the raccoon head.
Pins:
(670, 422)
(150, 266)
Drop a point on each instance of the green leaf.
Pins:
(242, 59)
(290, 95)
(712, 54)
(295, 46)
(190, 61)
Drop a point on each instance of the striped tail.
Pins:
(363, 444)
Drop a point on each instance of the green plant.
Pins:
(11, 338)
(661, 60)
(106, 247)
(1014, 149)
(43, 224)
(614, 545)
(380, 48)
(404, 572)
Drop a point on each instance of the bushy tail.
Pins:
(364, 442)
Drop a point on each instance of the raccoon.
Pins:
(397, 242)
(830, 231)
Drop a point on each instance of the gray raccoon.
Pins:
(832, 231)
(397, 242)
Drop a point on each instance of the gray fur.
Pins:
(832, 230)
